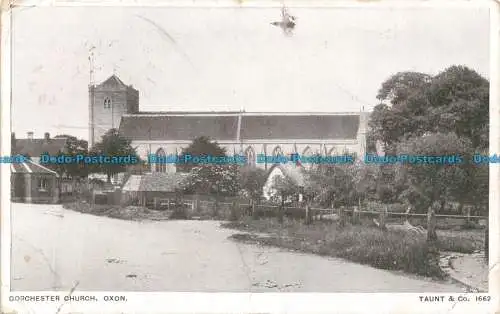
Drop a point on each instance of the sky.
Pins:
(202, 59)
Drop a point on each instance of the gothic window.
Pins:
(160, 165)
(250, 155)
(277, 152)
(107, 103)
(307, 153)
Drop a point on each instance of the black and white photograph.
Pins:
(276, 148)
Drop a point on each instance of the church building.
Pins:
(113, 104)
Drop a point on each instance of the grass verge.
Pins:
(391, 250)
(118, 212)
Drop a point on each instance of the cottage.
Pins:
(33, 183)
(145, 188)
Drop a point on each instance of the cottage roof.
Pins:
(30, 167)
(224, 126)
(292, 171)
(36, 147)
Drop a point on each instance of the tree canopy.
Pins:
(209, 178)
(413, 104)
(112, 144)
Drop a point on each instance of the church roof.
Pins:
(300, 127)
(224, 126)
(139, 127)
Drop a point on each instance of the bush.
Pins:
(362, 244)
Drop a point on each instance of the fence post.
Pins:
(468, 215)
(341, 216)
(234, 214)
(254, 212)
(431, 224)
(216, 205)
(155, 203)
(355, 215)
(308, 214)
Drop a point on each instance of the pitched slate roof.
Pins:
(30, 167)
(155, 182)
(300, 127)
(224, 126)
(36, 147)
(146, 127)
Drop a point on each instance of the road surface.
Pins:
(53, 249)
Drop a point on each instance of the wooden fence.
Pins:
(223, 209)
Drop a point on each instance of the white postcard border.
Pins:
(257, 302)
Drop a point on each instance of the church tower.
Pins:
(108, 102)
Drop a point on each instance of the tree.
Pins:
(332, 185)
(73, 148)
(429, 182)
(221, 179)
(252, 182)
(201, 146)
(112, 144)
(413, 104)
(285, 189)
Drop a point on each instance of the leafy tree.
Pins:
(112, 144)
(201, 146)
(73, 148)
(413, 104)
(209, 178)
(332, 185)
(252, 181)
(427, 183)
(284, 189)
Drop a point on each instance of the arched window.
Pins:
(107, 103)
(307, 153)
(277, 151)
(160, 165)
(250, 155)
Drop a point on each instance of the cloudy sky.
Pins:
(229, 58)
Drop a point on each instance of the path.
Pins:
(54, 248)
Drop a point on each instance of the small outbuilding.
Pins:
(33, 183)
(143, 189)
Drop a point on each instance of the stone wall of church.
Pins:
(327, 148)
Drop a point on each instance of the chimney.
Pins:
(46, 136)
(30, 135)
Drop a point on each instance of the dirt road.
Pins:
(54, 249)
